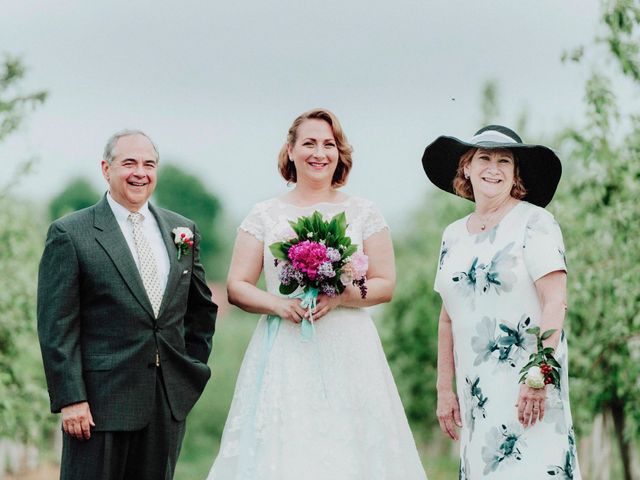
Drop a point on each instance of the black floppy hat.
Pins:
(539, 167)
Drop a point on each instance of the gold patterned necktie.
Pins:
(148, 266)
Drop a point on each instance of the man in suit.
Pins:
(125, 324)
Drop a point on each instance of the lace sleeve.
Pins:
(254, 223)
(543, 245)
(373, 221)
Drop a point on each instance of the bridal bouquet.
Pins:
(318, 257)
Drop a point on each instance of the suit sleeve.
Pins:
(200, 317)
(59, 319)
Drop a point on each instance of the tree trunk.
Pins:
(617, 412)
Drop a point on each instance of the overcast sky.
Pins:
(217, 84)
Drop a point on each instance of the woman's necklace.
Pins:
(495, 215)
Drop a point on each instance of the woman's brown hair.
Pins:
(462, 185)
(288, 169)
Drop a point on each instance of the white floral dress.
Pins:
(486, 282)
(321, 409)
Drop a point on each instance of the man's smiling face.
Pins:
(133, 171)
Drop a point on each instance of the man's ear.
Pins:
(105, 169)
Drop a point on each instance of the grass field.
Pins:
(206, 421)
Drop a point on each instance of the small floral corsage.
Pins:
(543, 369)
(183, 238)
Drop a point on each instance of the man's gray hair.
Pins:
(109, 149)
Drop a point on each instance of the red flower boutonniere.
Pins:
(183, 238)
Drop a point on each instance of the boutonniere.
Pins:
(183, 238)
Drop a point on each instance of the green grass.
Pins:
(206, 421)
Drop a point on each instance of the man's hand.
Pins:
(77, 420)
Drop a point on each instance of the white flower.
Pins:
(181, 235)
(535, 378)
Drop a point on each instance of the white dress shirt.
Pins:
(151, 231)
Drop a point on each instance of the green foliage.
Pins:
(78, 194)
(410, 328)
(206, 422)
(622, 18)
(13, 105)
(186, 194)
(24, 409)
(24, 404)
(601, 223)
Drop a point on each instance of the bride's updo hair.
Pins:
(288, 169)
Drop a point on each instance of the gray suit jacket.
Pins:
(97, 331)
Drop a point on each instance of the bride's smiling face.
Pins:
(315, 152)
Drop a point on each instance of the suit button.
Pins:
(156, 329)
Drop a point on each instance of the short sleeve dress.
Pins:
(486, 282)
(321, 409)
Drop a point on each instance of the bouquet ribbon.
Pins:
(308, 299)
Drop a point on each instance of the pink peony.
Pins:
(307, 256)
(355, 269)
(359, 264)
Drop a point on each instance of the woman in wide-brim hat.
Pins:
(502, 273)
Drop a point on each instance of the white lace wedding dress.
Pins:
(325, 409)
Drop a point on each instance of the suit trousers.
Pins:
(147, 454)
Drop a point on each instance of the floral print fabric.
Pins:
(486, 282)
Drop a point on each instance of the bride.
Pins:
(327, 408)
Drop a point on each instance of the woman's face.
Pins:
(315, 152)
(491, 173)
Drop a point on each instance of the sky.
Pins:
(217, 84)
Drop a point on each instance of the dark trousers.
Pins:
(147, 454)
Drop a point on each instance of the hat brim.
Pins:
(539, 167)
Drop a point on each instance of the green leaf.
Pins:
(548, 333)
(533, 330)
(277, 250)
(350, 251)
(288, 289)
(553, 362)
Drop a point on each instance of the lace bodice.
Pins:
(268, 221)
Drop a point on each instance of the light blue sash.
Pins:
(246, 457)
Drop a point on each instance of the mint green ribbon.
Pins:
(309, 298)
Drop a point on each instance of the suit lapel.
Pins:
(109, 236)
(174, 265)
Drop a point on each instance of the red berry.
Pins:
(182, 235)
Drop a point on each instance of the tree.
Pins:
(13, 108)
(23, 398)
(411, 320)
(186, 194)
(78, 194)
(601, 221)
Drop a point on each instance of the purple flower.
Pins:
(328, 290)
(333, 255)
(325, 270)
(288, 274)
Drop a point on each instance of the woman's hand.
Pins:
(324, 305)
(448, 412)
(289, 309)
(530, 405)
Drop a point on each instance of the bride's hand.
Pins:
(290, 309)
(324, 305)
(530, 405)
